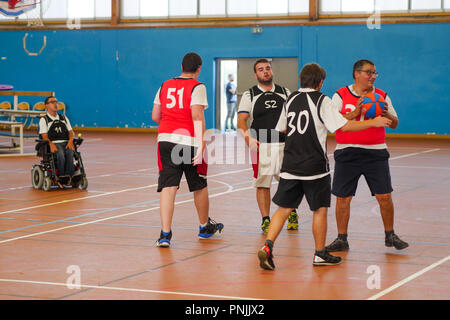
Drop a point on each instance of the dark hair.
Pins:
(311, 75)
(191, 62)
(359, 64)
(47, 99)
(263, 60)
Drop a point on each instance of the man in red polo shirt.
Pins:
(362, 153)
(178, 109)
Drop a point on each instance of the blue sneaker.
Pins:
(210, 229)
(164, 239)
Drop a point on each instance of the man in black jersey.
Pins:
(56, 129)
(307, 116)
(261, 105)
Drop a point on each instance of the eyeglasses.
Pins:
(369, 72)
(54, 101)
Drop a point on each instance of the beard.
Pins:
(265, 81)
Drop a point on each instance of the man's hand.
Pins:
(70, 145)
(198, 158)
(252, 143)
(382, 122)
(355, 113)
(53, 148)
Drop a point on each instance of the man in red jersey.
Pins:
(178, 109)
(362, 153)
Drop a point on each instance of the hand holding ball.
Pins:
(372, 105)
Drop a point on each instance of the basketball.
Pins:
(373, 105)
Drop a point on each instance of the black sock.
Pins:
(265, 218)
(321, 252)
(269, 243)
(389, 233)
(342, 236)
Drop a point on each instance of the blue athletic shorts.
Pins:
(351, 163)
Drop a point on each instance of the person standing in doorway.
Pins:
(230, 92)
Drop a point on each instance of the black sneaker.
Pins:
(338, 245)
(210, 229)
(266, 258)
(326, 259)
(164, 240)
(396, 242)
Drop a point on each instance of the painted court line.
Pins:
(408, 279)
(85, 286)
(110, 193)
(117, 216)
(154, 185)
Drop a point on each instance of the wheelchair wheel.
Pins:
(83, 184)
(37, 177)
(47, 184)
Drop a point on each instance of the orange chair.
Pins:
(5, 105)
(39, 106)
(25, 106)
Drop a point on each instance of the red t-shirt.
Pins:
(369, 136)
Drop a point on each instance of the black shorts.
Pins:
(290, 193)
(173, 160)
(351, 163)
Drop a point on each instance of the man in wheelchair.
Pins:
(58, 149)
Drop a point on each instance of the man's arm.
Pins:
(156, 113)
(244, 110)
(353, 125)
(70, 142)
(394, 119)
(251, 142)
(390, 113)
(53, 147)
(198, 118)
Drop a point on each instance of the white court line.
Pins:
(90, 177)
(153, 185)
(109, 193)
(414, 154)
(85, 286)
(411, 277)
(117, 216)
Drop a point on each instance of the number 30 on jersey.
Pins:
(298, 127)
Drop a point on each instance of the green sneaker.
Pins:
(293, 221)
(265, 226)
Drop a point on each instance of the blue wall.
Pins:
(108, 78)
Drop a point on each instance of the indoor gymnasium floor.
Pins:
(100, 243)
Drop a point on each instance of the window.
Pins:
(299, 6)
(269, 7)
(239, 7)
(154, 8)
(182, 8)
(391, 6)
(357, 5)
(136, 9)
(212, 7)
(425, 5)
(367, 6)
(81, 9)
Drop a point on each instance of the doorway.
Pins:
(285, 72)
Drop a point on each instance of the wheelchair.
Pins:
(45, 174)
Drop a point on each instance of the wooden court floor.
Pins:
(100, 243)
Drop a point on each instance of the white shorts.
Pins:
(268, 164)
